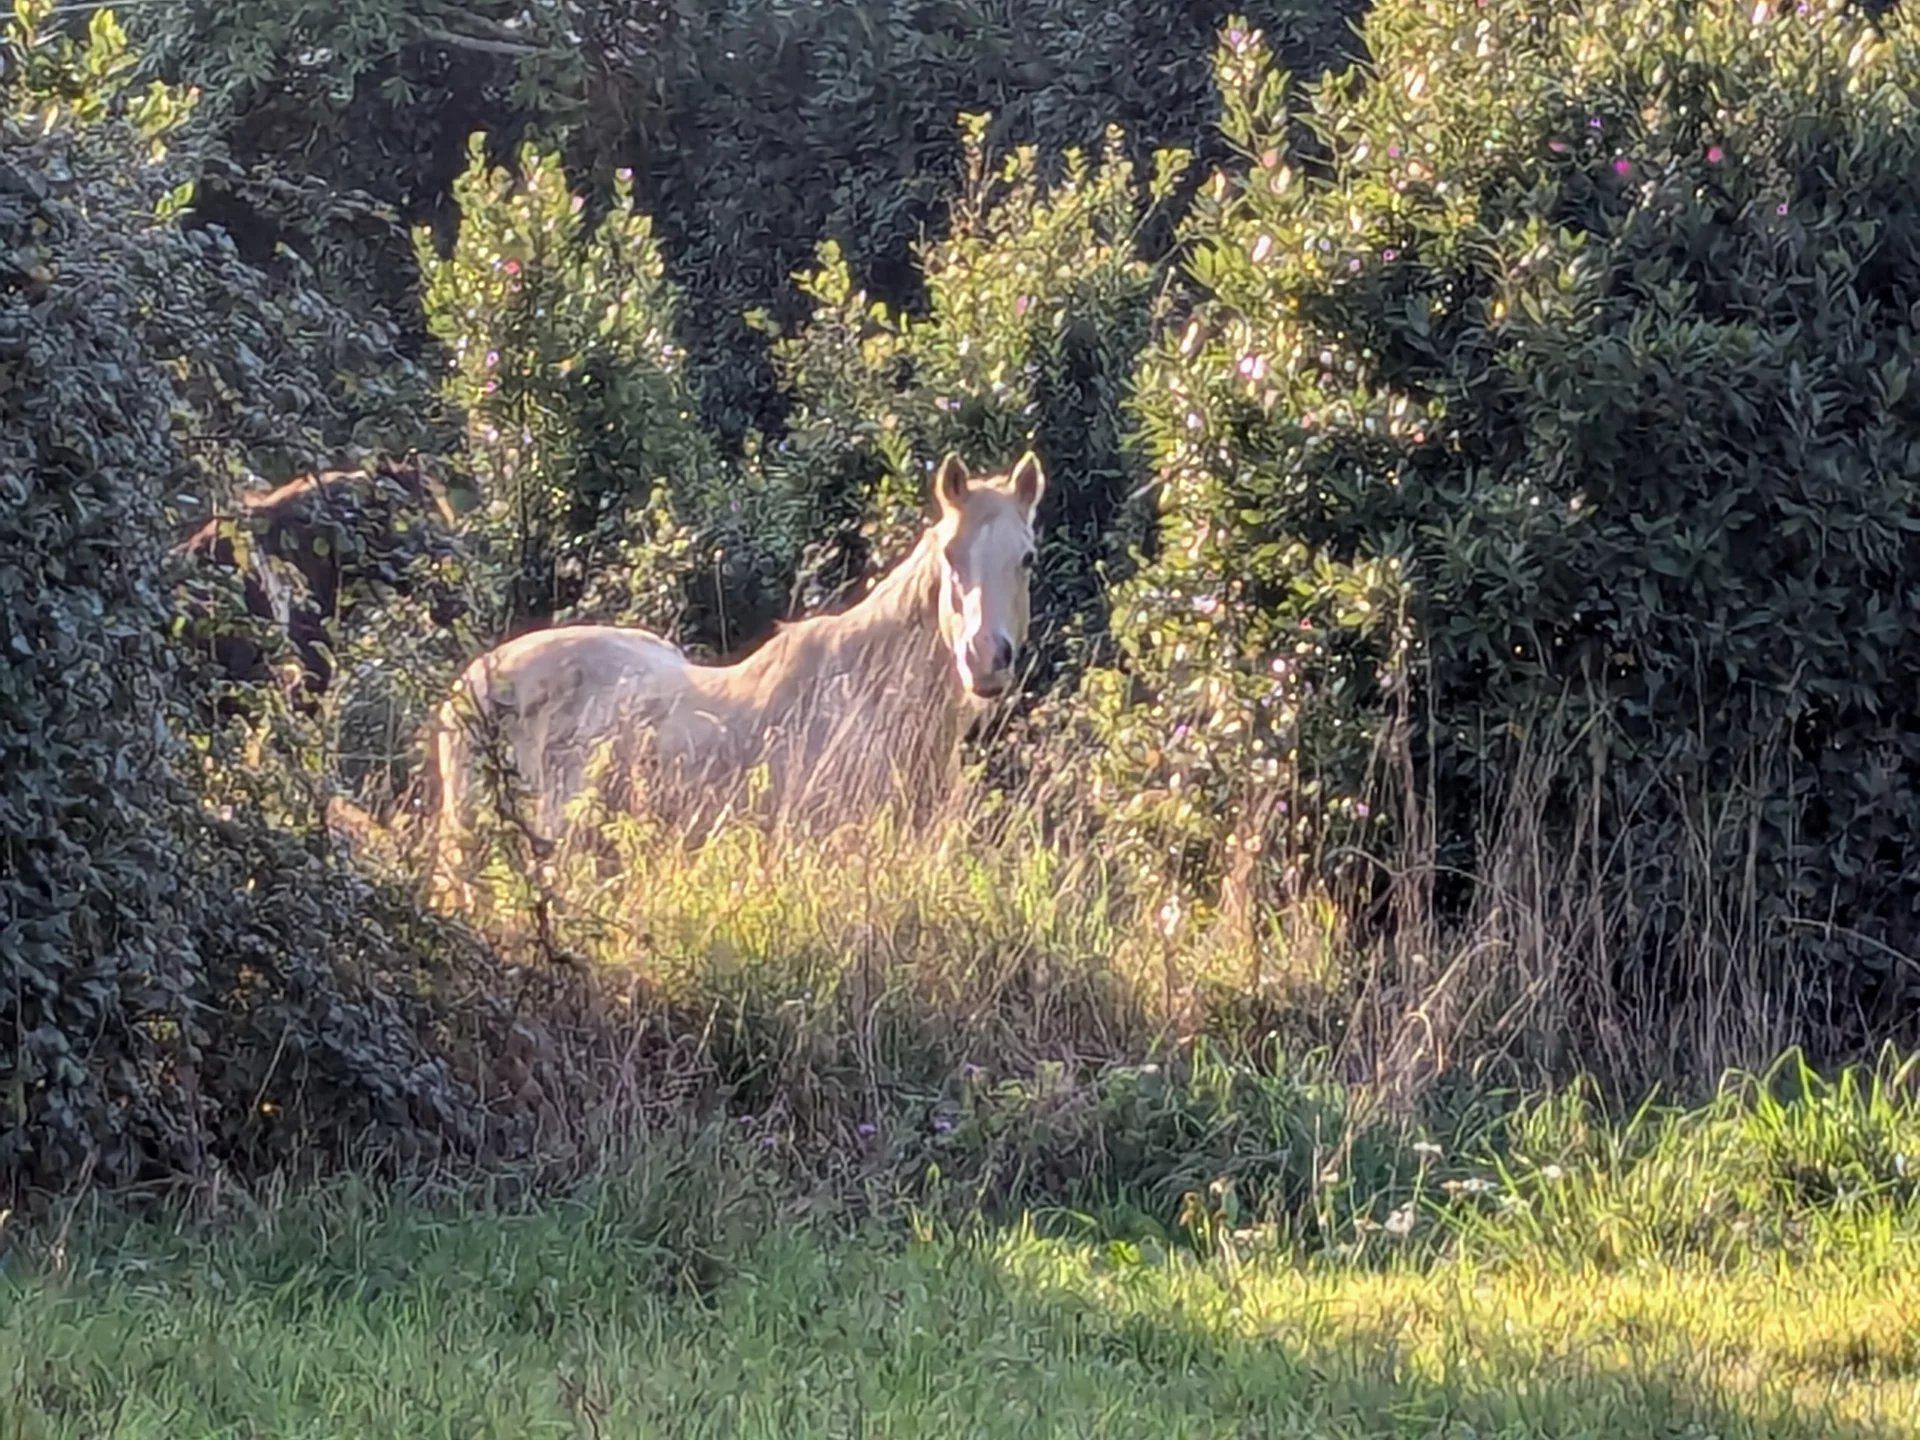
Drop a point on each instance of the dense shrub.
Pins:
(182, 992)
(755, 131)
(783, 126)
(1569, 411)
(1038, 304)
(560, 328)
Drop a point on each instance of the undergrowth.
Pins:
(1742, 1268)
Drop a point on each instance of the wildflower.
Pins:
(1389, 255)
(1781, 208)
(512, 267)
(1262, 248)
(942, 1125)
(867, 1129)
(1558, 147)
(1715, 154)
(1401, 1222)
(1551, 1173)
(1427, 1150)
(1623, 167)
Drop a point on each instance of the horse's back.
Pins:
(548, 701)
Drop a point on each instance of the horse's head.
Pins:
(984, 540)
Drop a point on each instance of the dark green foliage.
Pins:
(605, 494)
(755, 131)
(93, 914)
(1038, 304)
(1573, 405)
(785, 125)
(181, 993)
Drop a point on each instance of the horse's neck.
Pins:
(888, 645)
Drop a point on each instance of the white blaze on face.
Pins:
(990, 580)
(987, 552)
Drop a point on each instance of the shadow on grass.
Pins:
(367, 1317)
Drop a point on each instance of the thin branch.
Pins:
(475, 42)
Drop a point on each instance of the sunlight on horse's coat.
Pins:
(831, 718)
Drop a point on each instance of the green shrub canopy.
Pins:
(1572, 390)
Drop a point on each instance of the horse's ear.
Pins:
(1029, 482)
(950, 483)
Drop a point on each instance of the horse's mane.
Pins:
(904, 594)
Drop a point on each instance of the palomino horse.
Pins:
(832, 716)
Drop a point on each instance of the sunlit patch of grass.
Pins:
(632, 1311)
(875, 955)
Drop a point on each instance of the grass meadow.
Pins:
(1750, 1267)
(941, 1135)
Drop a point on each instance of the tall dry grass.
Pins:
(823, 970)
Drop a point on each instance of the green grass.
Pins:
(396, 1324)
(1750, 1268)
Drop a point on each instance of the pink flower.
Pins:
(1715, 154)
(1623, 167)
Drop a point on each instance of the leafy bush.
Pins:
(1566, 408)
(581, 426)
(778, 128)
(755, 132)
(182, 992)
(1037, 306)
